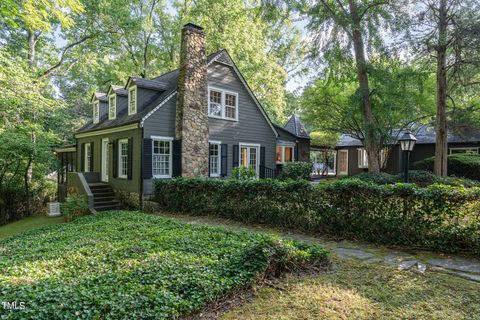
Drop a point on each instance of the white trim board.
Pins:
(106, 131)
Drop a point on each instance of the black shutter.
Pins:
(176, 158)
(296, 152)
(82, 157)
(262, 162)
(223, 160)
(147, 159)
(115, 158)
(209, 164)
(130, 159)
(91, 157)
(235, 155)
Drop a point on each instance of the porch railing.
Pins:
(268, 173)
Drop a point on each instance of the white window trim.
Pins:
(120, 164)
(114, 95)
(169, 140)
(346, 162)
(362, 165)
(285, 145)
(254, 145)
(219, 143)
(87, 156)
(463, 148)
(134, 90)
(96, 107)
(223, 92)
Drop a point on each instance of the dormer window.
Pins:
(222, 104)
(96, 111)
(112, 106)
(132, 100)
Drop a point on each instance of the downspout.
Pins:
(141, 170)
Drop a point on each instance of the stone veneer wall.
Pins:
(192, 104)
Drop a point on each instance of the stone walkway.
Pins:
(420, 261)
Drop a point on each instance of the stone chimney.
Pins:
(192, 103)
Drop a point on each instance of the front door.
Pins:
(105, 154)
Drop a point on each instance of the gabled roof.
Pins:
(99, 96)
(169, 82)
(296, 127)
(425, 135)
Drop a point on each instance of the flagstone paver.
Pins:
(418, 261)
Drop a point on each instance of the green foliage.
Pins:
(323, 138)
(459, 165)
(419, 177)
(296, 170)
(74, 206)
(438, 217)
(123, 264)
(243, 173)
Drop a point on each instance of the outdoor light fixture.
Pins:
(407, 142)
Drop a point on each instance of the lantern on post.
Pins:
(407, 142)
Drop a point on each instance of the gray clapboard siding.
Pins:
(251, 127)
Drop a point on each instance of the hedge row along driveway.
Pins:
(129, 265)
(437, 217)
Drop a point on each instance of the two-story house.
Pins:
(199, 120)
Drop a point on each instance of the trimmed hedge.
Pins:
(296, 170)
(459, 165)
(437, 217)
(419, 177)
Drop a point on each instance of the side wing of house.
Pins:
(238, 123)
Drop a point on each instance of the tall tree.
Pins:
(356, 26)
(447, 31)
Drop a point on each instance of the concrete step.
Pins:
(108, 207)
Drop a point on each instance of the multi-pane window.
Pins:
(96, 111)
(123, 158)
(215, 105)
(249, 157)
(88, 157)
(112, 108)
(362, 158)
(230, 106)
(284, 154)
(132, 100)
(162, 159)
(214, 159)
(222, 104)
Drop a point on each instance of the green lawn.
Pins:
(28, 223)
(360, 290)
(123, 264)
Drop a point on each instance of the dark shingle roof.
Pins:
(169, 80)
(101, 96)
(149, 84)
(296, 127)
(425, 135)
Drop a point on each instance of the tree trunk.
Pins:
(371, 140)
(440, 167)
(32, 41)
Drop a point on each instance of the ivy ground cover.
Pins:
(120, 264)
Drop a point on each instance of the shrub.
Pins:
(419, 177)
(437, 217)
(296, 170)
(74, 206)
(130, 265)
(459, 165)
(243, 173)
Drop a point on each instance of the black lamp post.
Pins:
(407, 142)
